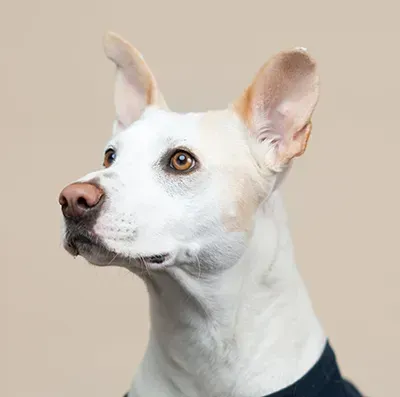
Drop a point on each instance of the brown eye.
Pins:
(182, 161)
(109, 157)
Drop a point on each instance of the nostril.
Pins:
(82, 202)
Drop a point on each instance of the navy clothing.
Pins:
(322, 380)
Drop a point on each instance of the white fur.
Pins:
(249, 331)
(230, 315)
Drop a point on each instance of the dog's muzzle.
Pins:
(80, 204)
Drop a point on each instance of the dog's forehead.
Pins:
(158, 128)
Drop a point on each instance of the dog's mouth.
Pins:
(156, 259)
(93, 249)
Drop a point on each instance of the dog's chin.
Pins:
(91, 249)
(95, 251)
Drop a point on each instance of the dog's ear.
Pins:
(135, 85)
(278, 105)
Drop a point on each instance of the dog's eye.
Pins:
(182, 161)
(109, 157)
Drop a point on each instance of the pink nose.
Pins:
(78, 199)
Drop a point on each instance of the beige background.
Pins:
(69, 329)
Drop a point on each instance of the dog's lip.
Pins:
(75, 242)
(81, 238)
(158, 259)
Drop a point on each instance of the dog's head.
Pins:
(178, 188)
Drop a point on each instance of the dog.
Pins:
(190, 203)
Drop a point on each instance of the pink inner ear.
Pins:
(278, 105)
(284, 97)
(268, 122)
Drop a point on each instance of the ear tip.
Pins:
(110, 33)
(110, 39)
(300, 56)
(306, 53)
(114, 46)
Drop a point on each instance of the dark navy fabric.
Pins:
(323, 380)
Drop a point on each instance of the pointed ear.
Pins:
(278, 105)
(135, 86)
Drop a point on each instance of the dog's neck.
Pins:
(246, 332)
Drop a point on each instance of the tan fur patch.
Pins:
(248, 199)
(221, 139)
(300, 147)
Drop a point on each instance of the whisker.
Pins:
(112, 260)
(198, 266)
(143, 262)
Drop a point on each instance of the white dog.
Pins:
(190, 203)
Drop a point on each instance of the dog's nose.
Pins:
(78, 199)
